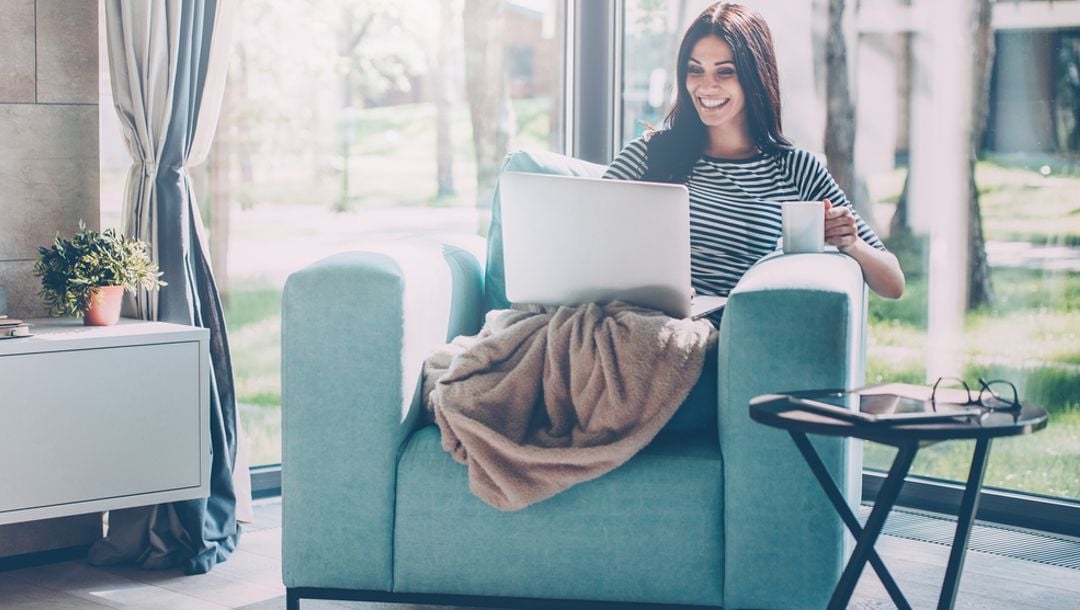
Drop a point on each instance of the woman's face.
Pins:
(713, 83)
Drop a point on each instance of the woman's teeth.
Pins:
(712, 103)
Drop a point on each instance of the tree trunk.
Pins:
(899, 227)
(486, 87)
(980, 288)
(349, 38)
(444, 100)
(840, 115)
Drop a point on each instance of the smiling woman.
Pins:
(723, 139)
(714, 86)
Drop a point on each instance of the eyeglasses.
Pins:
(993, 395)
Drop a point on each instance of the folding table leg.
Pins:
(969, 504)
(850, 520)
(886, 498)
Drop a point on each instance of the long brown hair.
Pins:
(673, 150)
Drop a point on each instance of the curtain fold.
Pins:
(168, 61)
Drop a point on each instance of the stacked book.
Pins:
(10, 327)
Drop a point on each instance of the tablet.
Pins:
(881, 408)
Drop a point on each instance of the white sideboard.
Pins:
(99, 418)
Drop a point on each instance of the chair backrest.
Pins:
(540, 162)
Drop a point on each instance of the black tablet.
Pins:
(881, 408)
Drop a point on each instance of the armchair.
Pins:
(718, 511)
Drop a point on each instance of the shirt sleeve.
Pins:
(629, 164)
(814, 183)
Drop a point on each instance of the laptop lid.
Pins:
(570, 240)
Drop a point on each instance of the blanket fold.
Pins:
(545, 398)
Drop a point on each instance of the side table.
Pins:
(96, 418)
(777, 411)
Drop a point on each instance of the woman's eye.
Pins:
(694, 70)
(726, 73)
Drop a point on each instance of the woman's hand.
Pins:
(880, 269)
(840, 229)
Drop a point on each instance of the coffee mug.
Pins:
(803, 226)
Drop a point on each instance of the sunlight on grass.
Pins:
(1022, 205)
(262, 430)
(1046, 462)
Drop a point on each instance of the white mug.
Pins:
(803, 226)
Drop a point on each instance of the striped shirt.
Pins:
(735, 207)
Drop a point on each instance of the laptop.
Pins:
(569, 240)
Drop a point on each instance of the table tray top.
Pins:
(777, 411)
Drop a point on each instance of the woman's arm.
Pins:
(880, 268)
(630, 164)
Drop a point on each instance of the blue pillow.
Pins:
(538, 162)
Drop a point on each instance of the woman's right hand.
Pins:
(840, 228)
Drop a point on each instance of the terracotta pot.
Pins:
(104, 306)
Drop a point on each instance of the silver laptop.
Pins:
(570, 240)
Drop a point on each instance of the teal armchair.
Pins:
(717, 512)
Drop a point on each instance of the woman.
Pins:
(722, 139)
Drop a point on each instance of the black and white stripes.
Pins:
(735, 207)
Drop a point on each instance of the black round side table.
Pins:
(777, 411)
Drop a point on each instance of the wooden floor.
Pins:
(251, 579)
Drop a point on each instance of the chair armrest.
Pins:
(794, 322)
(356, 328)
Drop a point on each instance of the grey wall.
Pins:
(48, 174)
(48, 134)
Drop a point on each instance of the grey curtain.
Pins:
(168, 61)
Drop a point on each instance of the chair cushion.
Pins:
(649, 531)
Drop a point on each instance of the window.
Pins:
(352, 121)
(1028, 181)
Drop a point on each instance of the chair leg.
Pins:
(292, 599)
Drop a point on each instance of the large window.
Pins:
(1026, 328)
(351, 121)
(347, 121)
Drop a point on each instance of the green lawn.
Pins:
(1021, 204)
(1047, 462)
(1029, 335)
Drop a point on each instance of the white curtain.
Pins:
(168, 60)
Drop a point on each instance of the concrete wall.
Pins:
(48, 175)
(48, 134)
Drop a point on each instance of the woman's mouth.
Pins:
(712, 102)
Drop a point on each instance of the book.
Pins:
(13, 331)
(6, 321)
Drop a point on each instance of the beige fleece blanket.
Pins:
(543, 399)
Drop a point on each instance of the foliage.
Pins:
(69, 269)
(1029, 337)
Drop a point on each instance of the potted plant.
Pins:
(87, 275)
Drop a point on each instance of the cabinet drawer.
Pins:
(93, 424)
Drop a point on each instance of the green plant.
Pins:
(70, 269)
